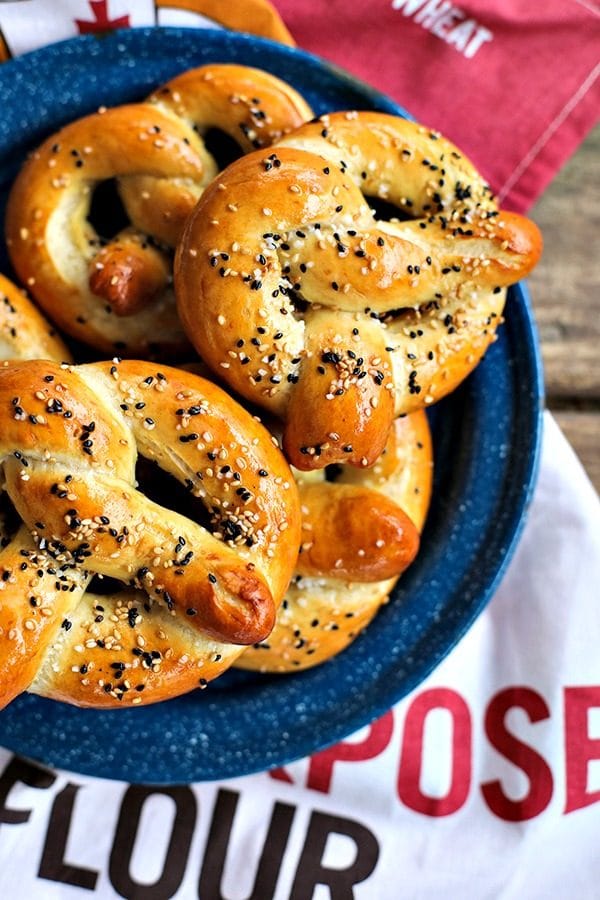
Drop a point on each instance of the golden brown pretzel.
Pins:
(68, 451)
(166, 659)
(251, 16)
(118, 297)
(324, 610)
(304, 303)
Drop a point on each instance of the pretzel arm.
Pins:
(128, 273)
(394, 159)
(123, 650)
(409, 264)
(36, 595)
(354, 533)
(343, 387)
(404, 471)
(107, 527)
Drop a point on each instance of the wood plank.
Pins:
(583, 431)
(565, 290)
(565, 287)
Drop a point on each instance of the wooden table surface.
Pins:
(565, 289)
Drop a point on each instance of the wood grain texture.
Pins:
(565, 290)
(566, 284)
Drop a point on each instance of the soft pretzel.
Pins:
(327, 606)
(31, 580)
(251, 16)
(117, 296)
(305, 304)
(68, 450)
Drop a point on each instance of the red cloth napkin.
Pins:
(513, 83)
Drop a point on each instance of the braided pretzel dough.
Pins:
(323, 611)
(68, 450)
(118, 297)
(328, 318)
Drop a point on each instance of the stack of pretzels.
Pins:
(154, 532)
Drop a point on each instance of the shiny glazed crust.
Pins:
(69, 445)
(304, 303)
(156, 152)
(323, 612)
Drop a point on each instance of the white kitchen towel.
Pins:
(483, 783)
(28, 24)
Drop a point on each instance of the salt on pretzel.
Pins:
(327, 606)
(117, 296)
(68, 449)
(305, 304)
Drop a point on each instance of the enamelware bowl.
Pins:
(486, 441)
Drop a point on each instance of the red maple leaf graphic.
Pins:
(102, 22)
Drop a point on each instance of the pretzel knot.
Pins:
(68, 450)
(114, 291)
(294, 293)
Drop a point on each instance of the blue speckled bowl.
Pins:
(486, 439)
